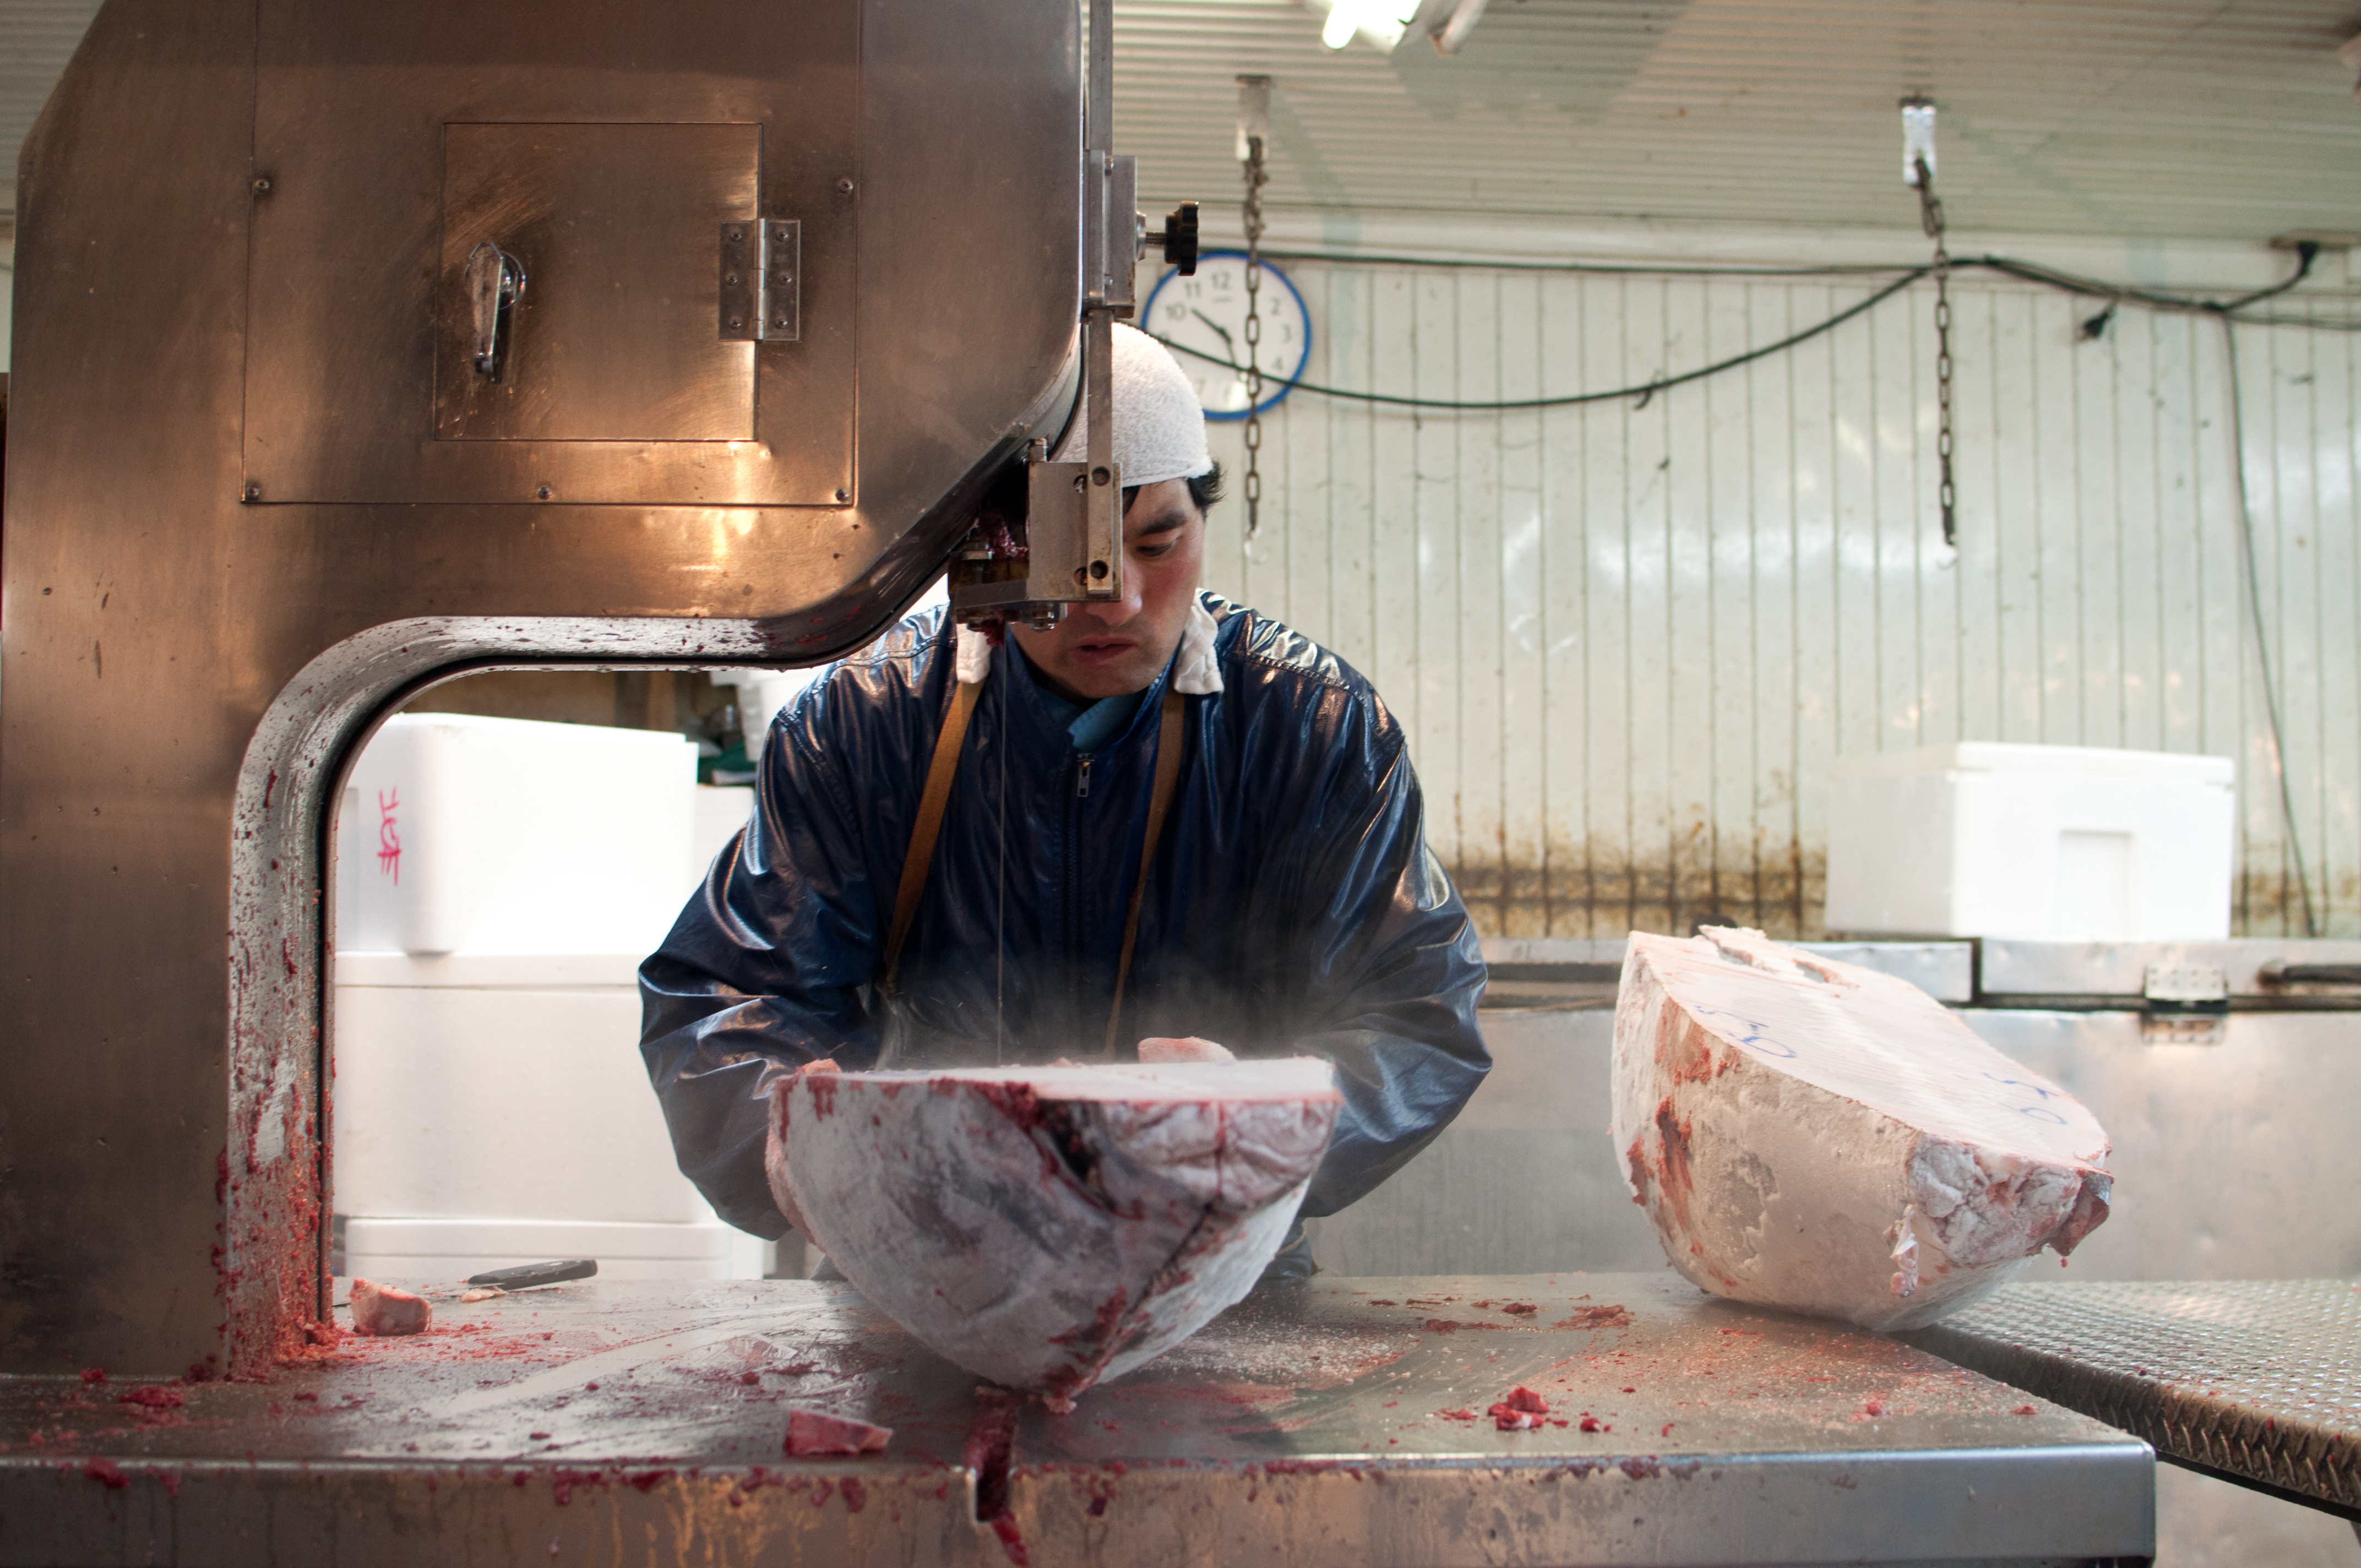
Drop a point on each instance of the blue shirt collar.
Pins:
(1092, 727)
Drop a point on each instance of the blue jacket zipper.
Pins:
(1072, 889)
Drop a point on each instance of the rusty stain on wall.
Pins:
(1605, 892)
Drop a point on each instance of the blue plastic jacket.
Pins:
(1293, 908)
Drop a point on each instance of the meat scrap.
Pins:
(1610, 1317)
(387, 1310)
(817, 1431)
(1049, 1227)
(1521, 1412)
(1821, 1137)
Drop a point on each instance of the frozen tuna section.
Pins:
(1821, 1137)
(1050, 1228)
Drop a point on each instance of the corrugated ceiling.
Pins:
(2173, 118)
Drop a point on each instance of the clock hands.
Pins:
(1228, 346)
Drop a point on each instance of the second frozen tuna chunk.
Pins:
(1821, 1138)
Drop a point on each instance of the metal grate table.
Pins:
(2255, 1381)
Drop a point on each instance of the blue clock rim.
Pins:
(1148, 310)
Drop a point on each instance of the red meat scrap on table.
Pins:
(1596, 1318)
(817, 1431)
(153, 1398)
(384, 1310)
(1521, 1412)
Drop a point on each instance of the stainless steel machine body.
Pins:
(265, 481)
(1343, 1423)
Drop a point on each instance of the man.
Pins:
(1289, 904)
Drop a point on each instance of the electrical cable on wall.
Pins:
(2028, 272)
(2066, 282)
(1643, 391)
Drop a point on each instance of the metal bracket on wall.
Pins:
(762, 298)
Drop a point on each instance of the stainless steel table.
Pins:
(1340, 1422)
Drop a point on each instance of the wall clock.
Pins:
(1203, 320)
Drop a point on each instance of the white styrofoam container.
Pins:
(461, 833)
(498, 881)
(516, 1102)
(495, 1110)
(2057, 843)
(450, 1250)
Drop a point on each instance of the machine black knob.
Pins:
(1181, 238)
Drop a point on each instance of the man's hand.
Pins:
(1160, 1048)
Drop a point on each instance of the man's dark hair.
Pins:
(1204, 489)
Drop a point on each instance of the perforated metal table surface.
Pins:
(2256, 1381)
(1338, 1424)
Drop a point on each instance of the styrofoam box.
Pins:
(499, 883)
(494, 1109)
(448, 1251)
(2057, 843)
(507, 835)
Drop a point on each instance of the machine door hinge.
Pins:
(2187, 1005)
(762, 263)
(2190, 987)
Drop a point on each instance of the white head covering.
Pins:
(1160, 434)
(1159, 430)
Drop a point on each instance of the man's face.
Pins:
(1114, 646)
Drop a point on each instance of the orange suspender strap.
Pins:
(920, 859)
(1159, 800)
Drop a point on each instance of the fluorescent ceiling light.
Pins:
(1377, 22)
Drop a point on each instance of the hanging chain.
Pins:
(1930, 218)
(1256, 178)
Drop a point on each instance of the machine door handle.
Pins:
(495, 284)
(2279, 971)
